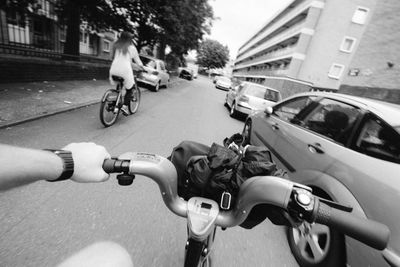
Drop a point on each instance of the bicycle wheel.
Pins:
(135, 101)
(108, 116)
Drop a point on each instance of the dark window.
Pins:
(379, 140)
(333, 119)
(291, 108)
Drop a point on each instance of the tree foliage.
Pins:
(212, 54)
(180, 24)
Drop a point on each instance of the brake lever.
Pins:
(335, 205)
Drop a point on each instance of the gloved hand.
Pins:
(88, 162)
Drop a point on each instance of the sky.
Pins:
(241, 19)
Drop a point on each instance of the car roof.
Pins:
(260, 85)
(387, 111)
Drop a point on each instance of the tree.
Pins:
(212, 54)
(98, 14)
(180, 24)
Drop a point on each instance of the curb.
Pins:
(50, 113)
(62, 110)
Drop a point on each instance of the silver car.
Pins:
(247, 98)
(347, 149)
(223, 83)
(156, 74)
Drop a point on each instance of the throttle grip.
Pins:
(369, 232)
(115, 165)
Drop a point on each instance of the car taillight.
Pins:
(243, 98)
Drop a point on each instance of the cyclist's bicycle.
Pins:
(204, 215)
(112, 102)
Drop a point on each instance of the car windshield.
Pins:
(224, 79)
(148, 62)
(261, 92)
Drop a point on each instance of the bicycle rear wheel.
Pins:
(108, 116)
(135, 101)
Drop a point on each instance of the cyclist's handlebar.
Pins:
(369, 232)
(256, 190)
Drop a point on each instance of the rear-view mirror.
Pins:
(268, 111)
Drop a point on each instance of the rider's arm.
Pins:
(135, 55)
(19, 166)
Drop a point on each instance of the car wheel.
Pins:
(317, 245)
(233, 112)
(226, 102)
(246, 133)
(157, 87)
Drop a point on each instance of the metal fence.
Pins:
(40, 35)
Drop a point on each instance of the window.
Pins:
(378, 140)
(360, 15)
(63, 33)
(106, 46)
(83, 37)
(336, 71)
(290, 109)
(348, 44)
(332, 119)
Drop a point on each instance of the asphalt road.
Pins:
(43, 223)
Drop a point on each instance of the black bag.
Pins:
(180, 158)
(210, 171)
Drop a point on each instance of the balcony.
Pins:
(270, 56)
(270, 29)
(285, 35)
(258, 73)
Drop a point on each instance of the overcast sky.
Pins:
(240, 19)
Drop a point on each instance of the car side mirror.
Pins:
(268, 111)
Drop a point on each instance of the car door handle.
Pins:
(275, 126)
(315, 148)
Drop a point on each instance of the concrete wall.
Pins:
(334, 23)
(286, 87)
(379, 93)
(25, 69)
(379, 45)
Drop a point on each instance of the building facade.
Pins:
(41, 33)
(324, 44)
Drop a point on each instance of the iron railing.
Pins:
(42, 36)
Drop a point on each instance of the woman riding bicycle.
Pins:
(123, 52)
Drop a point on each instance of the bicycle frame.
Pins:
(203, 215)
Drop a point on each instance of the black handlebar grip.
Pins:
(108, 165)
(371, 233)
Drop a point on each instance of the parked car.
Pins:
(215, 76)
(156, 74)
(347, 149)
(186, 73)
(223, 83)
(247, 98)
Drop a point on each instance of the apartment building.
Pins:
(41, 33)
(321, 44)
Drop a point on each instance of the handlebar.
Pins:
(292, 197)
(369, 232)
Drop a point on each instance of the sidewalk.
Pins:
(22, 102)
